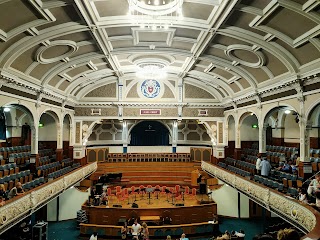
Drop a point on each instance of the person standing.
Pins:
(145, 231)
(136, 228)
(258, 164)
(265, 167)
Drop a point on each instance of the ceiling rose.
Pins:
(146, 13)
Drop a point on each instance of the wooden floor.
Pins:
(163, 201)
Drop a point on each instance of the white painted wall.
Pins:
(66, 129)
(226, 198)
(292, 130)
(231, 130)
(69, 203)
(247, 133)
(49, 131)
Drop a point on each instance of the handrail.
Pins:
(301, 215)
(22, 206)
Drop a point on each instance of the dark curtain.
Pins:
(269, 135)
(2, 125)
(149, 133)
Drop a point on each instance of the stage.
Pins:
(190, 215)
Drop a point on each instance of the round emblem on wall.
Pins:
(150, 88)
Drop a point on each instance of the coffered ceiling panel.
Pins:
(111, 8)
(62, 15)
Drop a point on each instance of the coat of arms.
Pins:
(150, 88)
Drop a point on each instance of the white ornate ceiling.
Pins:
(87, 51)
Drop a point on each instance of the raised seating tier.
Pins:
(149, 172)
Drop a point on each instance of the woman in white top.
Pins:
(258, 164)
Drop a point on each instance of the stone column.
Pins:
(237, 148)
(34, 158)
(59, 151)
(124, 136)
(262, 137)
(174, 138)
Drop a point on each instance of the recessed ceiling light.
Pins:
(287, 111)
(6, 109)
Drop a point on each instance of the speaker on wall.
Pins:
(203, 188)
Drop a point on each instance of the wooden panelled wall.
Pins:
(200, 154)
(97, 154)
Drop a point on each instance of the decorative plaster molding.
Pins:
(30, 202)
(291, 210)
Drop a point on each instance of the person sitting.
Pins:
(168, 237)
(240, 233)
(286, 167)
(183, 237)
(2, 201)
(104, 198)
(16, 191)
(225, 236)
(124, 231)
(3, 193)
(94, 236)
(288, 234)
(302, 196)
(263, 237)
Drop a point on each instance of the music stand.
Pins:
(135, 196)
(149, 191)
(141, 191)
(157, 190)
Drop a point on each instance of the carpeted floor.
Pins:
(67, 230)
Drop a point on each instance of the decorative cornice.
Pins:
(39, 91)
(138, 104)
(296, 84)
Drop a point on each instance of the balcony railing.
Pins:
(22, 206)
(300, 215)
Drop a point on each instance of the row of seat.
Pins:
(10, 180)
(60, 172)
(34, 183)
(293, 192)
(67, 162)
(288, 151)
(19, 158)
(44, 160)
(44, 170)
(45, 152)
(314, 152)
(148, 157)
(8, 169)
(235, 170)
(6, 151)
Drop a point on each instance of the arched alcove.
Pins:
(149, 133)
(249, 132)
(48, 130)
(17, 119)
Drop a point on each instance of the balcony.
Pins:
(300, 215)
(22, 206)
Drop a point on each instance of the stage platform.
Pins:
(191, 218)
